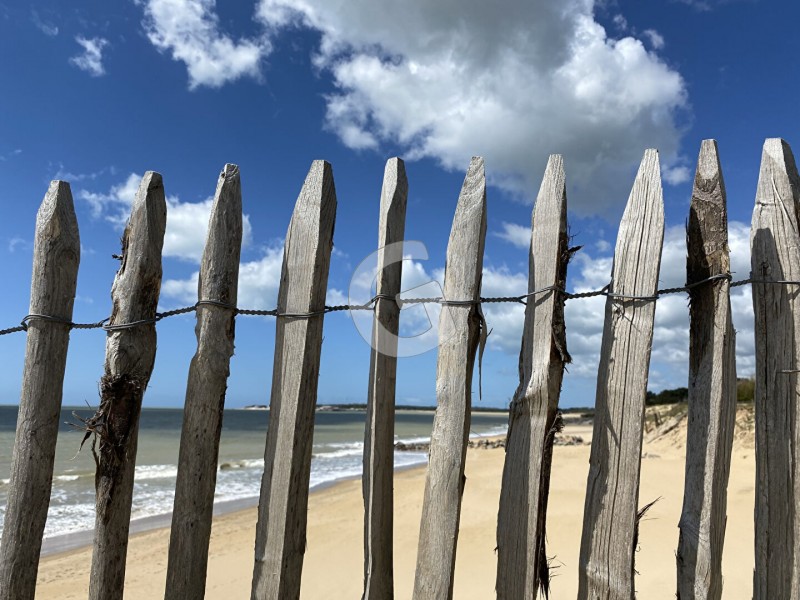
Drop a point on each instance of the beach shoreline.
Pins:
(333, 563)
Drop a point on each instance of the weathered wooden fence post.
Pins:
(610, 514)
(521, 561)
(130, 355)
(56, 255)
(205, 393)
(712, 386)
(459, 333)
(281, 529)
(775, 256)
(378, 478)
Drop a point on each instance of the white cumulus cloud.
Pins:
(516, 235)
(513, 81)
(190, 31)
(187, 222)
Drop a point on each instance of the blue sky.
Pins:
(97, 93)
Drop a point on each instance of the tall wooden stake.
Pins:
(205, 393)
(281, 529)
(712, 386)
(521, 560)
(130, 355)
(609, 535)
(775, 256)
(378, 477)
(56, 255)
(459, 334)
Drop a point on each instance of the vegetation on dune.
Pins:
(745, 392)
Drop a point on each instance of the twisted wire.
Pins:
(373, 303)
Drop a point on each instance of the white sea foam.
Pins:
(155, 472)
(72, 502)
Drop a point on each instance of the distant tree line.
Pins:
(745, 392)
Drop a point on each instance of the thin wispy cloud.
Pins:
(91, 59)
(8, 155)
(46, 27)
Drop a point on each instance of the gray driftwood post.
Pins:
(205, 393)
(459, 335)
(379, 434)
(56, 254)
(609, 535)
(521, 560)
(281, 529)
(130, 354)
(712, 386)
(775, 255)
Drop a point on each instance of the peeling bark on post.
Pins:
(712, 386)
(56, 255)
(281, 530)
(205, 393)
(459, 334)
(378, 478)
(610, 525)
(130, 355)
(521, 559)
(775, 256)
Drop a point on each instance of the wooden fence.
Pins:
(611, 509)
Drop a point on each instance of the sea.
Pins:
(337, 455)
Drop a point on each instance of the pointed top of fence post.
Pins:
(58, 207)
(57, 224)
(707, 228)
(316, 187)
(135, 292)
(553, 189)
(778, 173)
(471, 198)
(708, 166)
(220, 263)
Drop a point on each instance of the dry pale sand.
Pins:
(333, 562)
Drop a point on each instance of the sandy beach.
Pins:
(334, 564)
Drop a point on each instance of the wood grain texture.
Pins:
(130, 355)
(205, 393)
(281, 529)
(775, 255)
(378, 475)
(459, 333)
(712, 386)
(56, 255)
(521, 557)
(608, 542)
